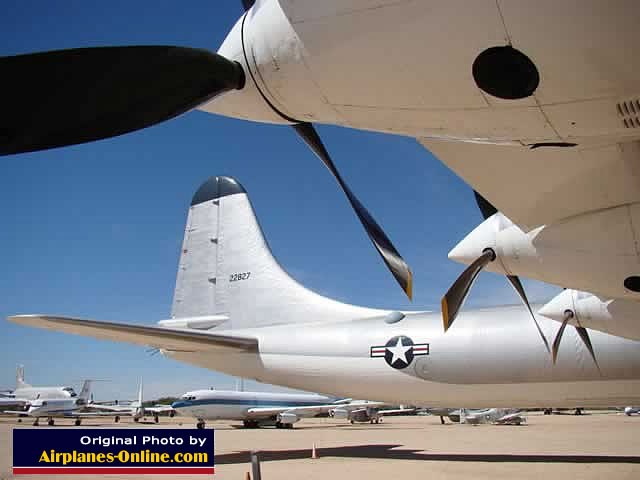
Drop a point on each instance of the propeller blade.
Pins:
(485, 207)
(517, 285)
(584, 336)
(568, 315)
(455, 297)
(66, 97)
(395, 263)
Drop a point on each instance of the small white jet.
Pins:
(134, 409)
(56, 407)
(255, 409)
(237, 311)
(630, 411)
(25, 393)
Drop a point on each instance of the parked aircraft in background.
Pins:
(510, 416)
(134, 409)
(371, 412)
(497, 416)
(629, 411)
(52, 407)
(25, 393)
(255, 409)
(236, 311)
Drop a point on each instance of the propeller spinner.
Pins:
(456, 295)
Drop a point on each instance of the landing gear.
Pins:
(578, 411)
(548, 411)
(35, 422)
(375, 420)
(77, 422)
(200, 424)
(284, 425)
(156, 419)
(251, 424)
(442, 419)
(50, 422)
(136, 419)
(172, 414)
(116, 418)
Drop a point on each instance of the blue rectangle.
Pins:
(77, 447)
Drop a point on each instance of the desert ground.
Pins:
(592, 446)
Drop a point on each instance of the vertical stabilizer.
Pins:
(20, 383)
(138, 402)
(85, 393)
(227, 270)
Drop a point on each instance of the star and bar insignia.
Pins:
(399, 351)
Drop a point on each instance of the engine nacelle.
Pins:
(362, 415)
(288, 418)
(341, 413)
(617, 317)
(594, 252)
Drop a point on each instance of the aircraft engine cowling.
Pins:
(593, 252)
(617, 317)
(360, 416)
(341, 413)
(288, 418)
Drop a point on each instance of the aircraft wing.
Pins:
(540, 186)
(306, 411)
(164, 338)
(159, 409)
(118, 409)
(11, 401)
(512, 417)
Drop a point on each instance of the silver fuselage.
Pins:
(491, 357)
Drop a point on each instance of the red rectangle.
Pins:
(113, 470)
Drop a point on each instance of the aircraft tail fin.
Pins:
(138, 402)
(85, 393)
(20, 383)
(228, 274)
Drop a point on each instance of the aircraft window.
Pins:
(72, 393)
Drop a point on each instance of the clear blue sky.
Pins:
(94, 230)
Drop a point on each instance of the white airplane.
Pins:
(496, 416)
(255, 409)
(134, 409)
(236, 311)
(505, 416)
(55, 407)
(25, 393)
(630, 411)
(369, 412)
(542, 92)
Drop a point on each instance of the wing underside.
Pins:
(542, 185)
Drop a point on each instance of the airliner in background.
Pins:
(258, 409)
(25, 393)
(237, 311)
(59, 407)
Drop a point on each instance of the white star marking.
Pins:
(399, 352)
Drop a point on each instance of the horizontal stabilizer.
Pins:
(162, 338)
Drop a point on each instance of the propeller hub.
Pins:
(247, 103)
